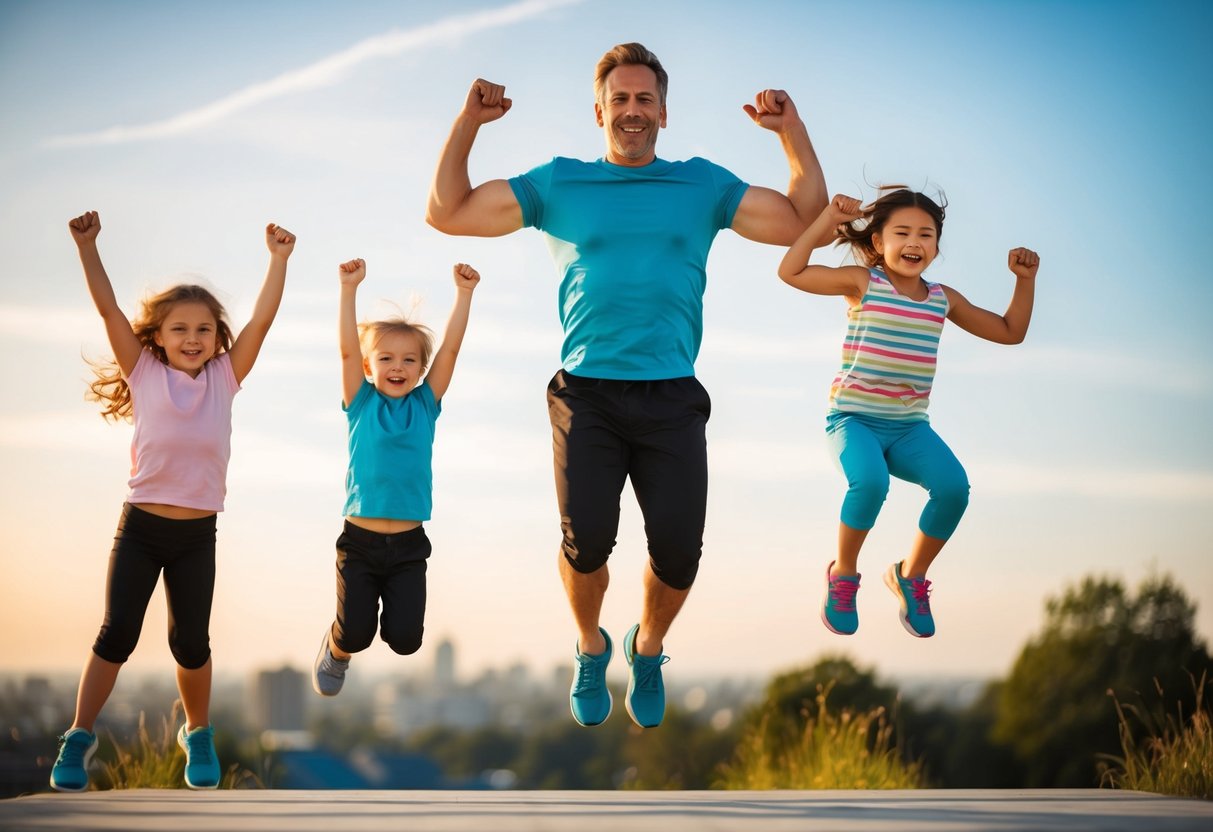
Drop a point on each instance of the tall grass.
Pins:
(842, 750)
(1175, 757)
(157, 762)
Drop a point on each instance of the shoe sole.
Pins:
(88, 759)
(826, 622)
(890, 580)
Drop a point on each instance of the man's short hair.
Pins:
(630, 53)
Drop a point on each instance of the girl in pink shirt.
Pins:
(175, 371)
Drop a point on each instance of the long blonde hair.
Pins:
(110, 388)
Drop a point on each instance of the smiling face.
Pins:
(630, 112)
(908, 242)
(394, 363)
(188, 337)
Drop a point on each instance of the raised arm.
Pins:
(795, 269)
(454, 206)
(1012, 326)
(443, 365)
(122, 338)
(765, 215)
(353, 371)
(248, 343)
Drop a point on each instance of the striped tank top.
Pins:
(888, 357)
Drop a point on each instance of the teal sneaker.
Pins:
(838, 611)
(201, 762)
(646, 690)
(76, 750)
(915, 597)
(589, 699)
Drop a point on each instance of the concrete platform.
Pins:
(552, 811)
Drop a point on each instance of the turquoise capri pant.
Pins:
(869, 449)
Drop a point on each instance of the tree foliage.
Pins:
(1054, 711)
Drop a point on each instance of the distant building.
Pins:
(444, 665)
(278, 700)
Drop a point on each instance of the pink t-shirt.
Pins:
(183, 433)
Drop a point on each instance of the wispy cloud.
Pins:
(322, 73)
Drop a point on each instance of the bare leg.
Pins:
(96, 684)
(586, 592)
(195, 689)
(850, 541)
(661, 604)
(922, 556)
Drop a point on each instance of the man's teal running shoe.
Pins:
(589, 699)
(646, 689)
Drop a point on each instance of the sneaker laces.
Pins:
(842, 594)
(920, 589)
(591, 674)
(71, 751)
(648, 673)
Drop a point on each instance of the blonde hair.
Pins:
(110, 388)
(370, 333)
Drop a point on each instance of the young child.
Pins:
(176, 369)
(877, 422)
(391, 411)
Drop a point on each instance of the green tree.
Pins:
(1054, 711)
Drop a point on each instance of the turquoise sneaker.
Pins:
(915, 597)
(76, 750)
(201, 762)
(838, 611)
(646, 690)
(589, 699)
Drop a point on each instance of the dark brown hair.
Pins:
(858, 233)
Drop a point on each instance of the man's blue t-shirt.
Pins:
(391, 448)
(631, 246)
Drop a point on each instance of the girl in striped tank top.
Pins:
(877, 422)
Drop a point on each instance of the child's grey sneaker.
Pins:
(328, 673)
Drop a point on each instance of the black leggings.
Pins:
(373, 566)
(144, 545)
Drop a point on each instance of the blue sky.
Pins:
(1078, 129)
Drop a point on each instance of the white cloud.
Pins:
(322, 73)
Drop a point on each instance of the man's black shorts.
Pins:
(605, 431)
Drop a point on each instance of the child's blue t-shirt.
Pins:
(391, 445)
(631, 246)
